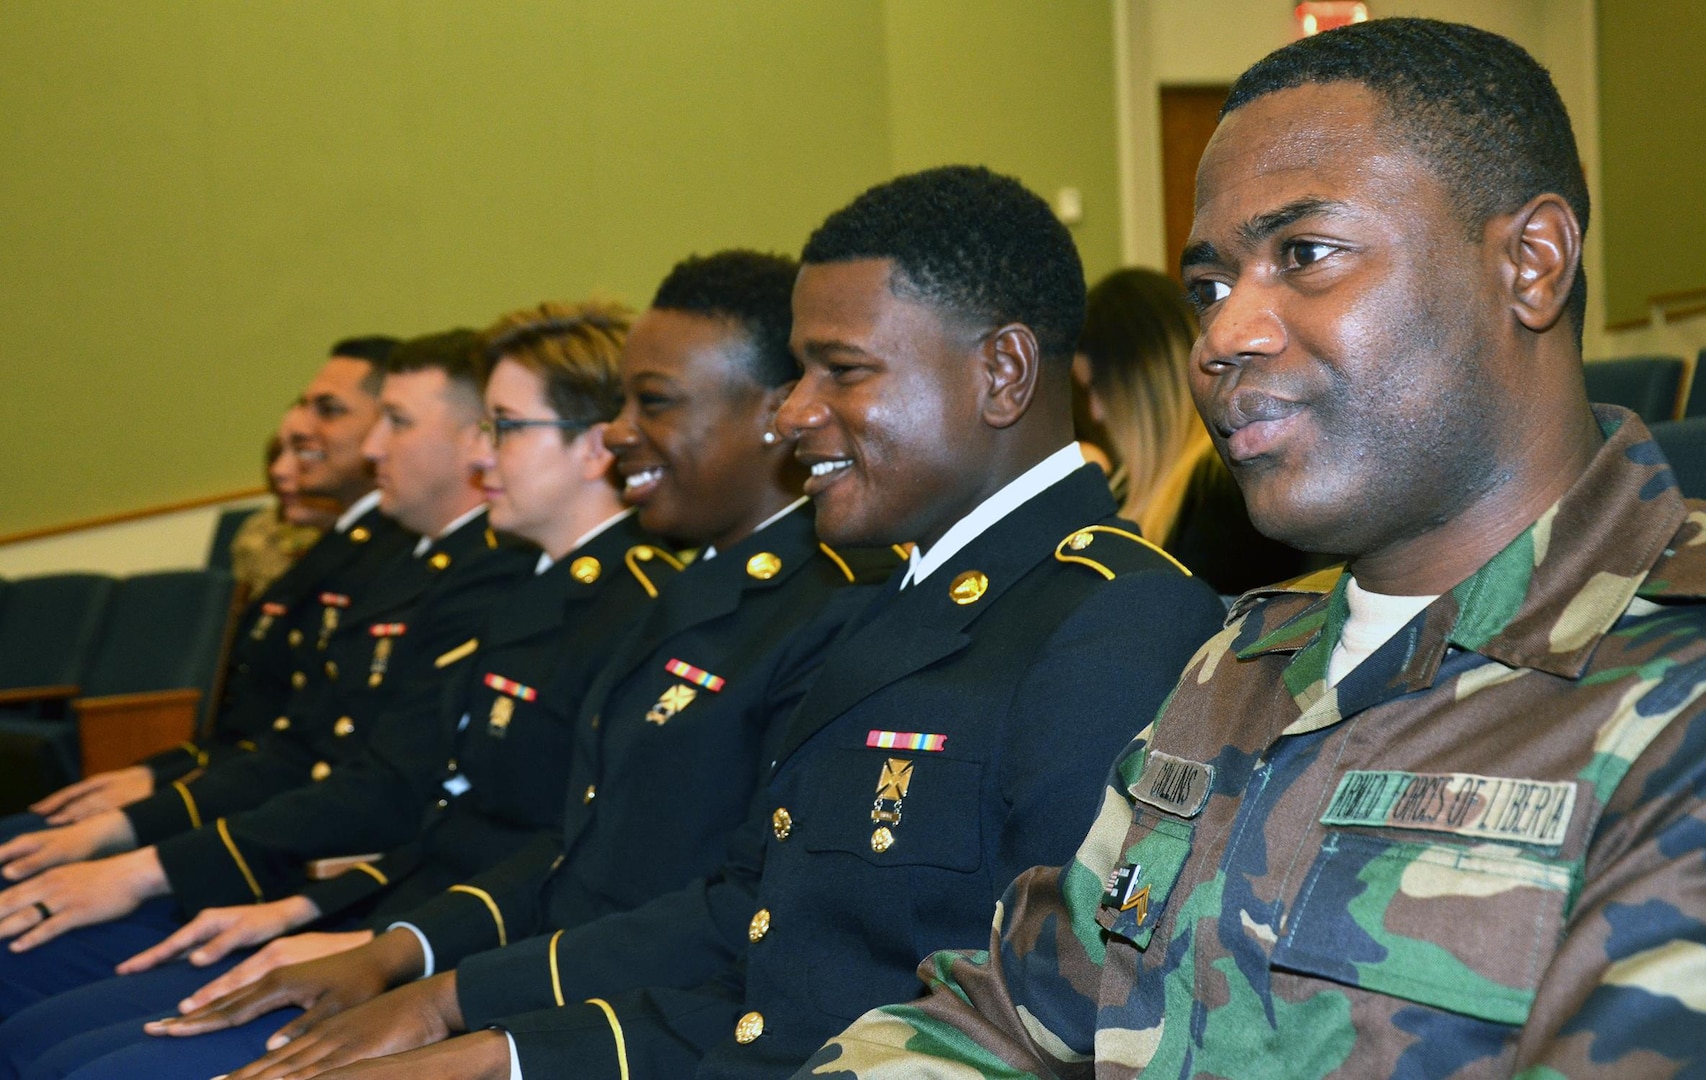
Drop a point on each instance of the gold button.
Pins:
(345, 726)
(439, 561)
(320, 771)
(590, 793)
(451, 765)
(298, 679)
(294, 637)
(331, 670)
(281, 724)
(882, 840)
(781, 823)
(764, 566)
(969, 587)
(360, 535)
(585, 569)
(1080, 540)
(442, 803)
(750, 1027)
(595, 721)
(759, 926)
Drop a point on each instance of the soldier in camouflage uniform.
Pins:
(1475, 846)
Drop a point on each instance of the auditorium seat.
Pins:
(1646, 384)
(1697, 390)
(49, 627)
(1684, 444)
(224, 531)
(151, 667)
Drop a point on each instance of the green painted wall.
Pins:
(198, 196)
(1652, 118)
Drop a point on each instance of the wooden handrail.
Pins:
(24, 695)
(1671, 306)
(123, 516)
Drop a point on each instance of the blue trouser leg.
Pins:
(18, 824)
(119, 1002)
(159, 1057)
(78, 957)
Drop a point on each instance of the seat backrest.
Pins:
(1684, 444)
(224, 531)
(1697, 389)
(49, 626)
(1648, 385)
(162, 632)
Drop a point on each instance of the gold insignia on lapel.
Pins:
(674, 699)
(281, 724)
(781, 823)
(491, 539)
(360, 535)
(968, 587)
(1080, 540)
(763, 566)
(585, 569)
(439, 561)
(503, 707)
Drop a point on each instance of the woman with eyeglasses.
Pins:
(672, 740)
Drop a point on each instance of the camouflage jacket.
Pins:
(1482, 853)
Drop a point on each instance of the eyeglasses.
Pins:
(497, 429)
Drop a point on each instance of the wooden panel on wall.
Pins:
(1189, 115)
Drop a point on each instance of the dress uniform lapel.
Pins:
(930, 620)
(555, 598)
(710, 590)
(391, 591)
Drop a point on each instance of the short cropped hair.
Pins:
(573, 348)
(752, 289)
(1476, 107)
(970, 242)
(459, 353)
(375, 349)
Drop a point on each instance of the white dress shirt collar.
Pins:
(356, 510)
(710, 552)
(1018, 491)
(425, 542)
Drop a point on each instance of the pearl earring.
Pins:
(769, 438)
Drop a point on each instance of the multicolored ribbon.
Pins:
(510, 687)
(387, 629)
(905, 740)
(681, 669)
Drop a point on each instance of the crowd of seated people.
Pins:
(689, 691)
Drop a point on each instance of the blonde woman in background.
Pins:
(1132, 370)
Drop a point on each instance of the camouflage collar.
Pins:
(1544, 602)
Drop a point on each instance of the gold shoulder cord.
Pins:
(1069, 550)
(641, 553)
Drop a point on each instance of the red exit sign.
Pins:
(1314, 17)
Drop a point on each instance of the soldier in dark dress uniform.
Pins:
(364, 658)
(722, 656)
(955, 734)
(326, 427)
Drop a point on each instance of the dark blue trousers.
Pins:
(96, 1031)
(78, 957)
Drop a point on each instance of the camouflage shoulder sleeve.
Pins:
(1625, 995)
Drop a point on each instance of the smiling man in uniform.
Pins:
(1440, 814)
